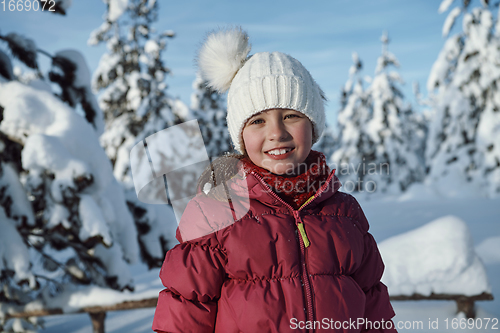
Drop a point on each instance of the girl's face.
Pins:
(278, 140)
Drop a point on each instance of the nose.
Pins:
(277, 130)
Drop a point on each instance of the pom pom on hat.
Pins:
(221, 56)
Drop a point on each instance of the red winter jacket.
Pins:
(275, 269)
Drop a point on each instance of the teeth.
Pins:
(279, 151)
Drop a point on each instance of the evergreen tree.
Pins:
(63, 216)
(353, 147)
(131, 78)
(208, 108)
(380, 137)
(391, 129)
(463, 148)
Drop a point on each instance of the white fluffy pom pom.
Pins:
(221, 56)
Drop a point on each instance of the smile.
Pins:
(279, 151)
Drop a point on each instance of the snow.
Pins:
(95, 35)
(390, 217)
(106, 64)
(121, 223)
(163, 226)
(13, 251)
(57, 131)
(152, 47)
(180, 109)
(439, 70)
(58, 215)
(134, 94)
(178, 147)
(436, 258)
(82, 73)
(59, 142)
(20, 207)
(93, 221)
(115, 264)
(463, 132)
(74, 298)
(445, 4)
(450, 20)
(116, 9)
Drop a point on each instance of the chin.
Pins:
(282, 171)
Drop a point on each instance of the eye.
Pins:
(256, 121)
(292, 115)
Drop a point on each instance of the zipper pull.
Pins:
(302, 231)
(300, 226)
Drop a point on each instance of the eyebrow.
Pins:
(257, 114)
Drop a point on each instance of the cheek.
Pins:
(248, 140)
(305, 135)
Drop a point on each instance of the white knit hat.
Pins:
(260, 82)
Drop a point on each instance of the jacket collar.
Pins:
(254, 187)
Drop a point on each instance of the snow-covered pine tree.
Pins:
(18, 283)
(208, 107)
(417, 125)
(131, 79)
(463, 148)
(395, 164)
(353, 149)
(63, 216)
(70, 72)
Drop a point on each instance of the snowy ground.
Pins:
(388, 218)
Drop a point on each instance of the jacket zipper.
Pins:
(303, 240)
(305, 274)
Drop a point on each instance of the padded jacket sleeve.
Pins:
(193, 274)
(377, 307)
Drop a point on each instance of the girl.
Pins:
(269, 244)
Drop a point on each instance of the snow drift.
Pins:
(438, 258)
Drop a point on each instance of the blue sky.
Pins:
(320, 34)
